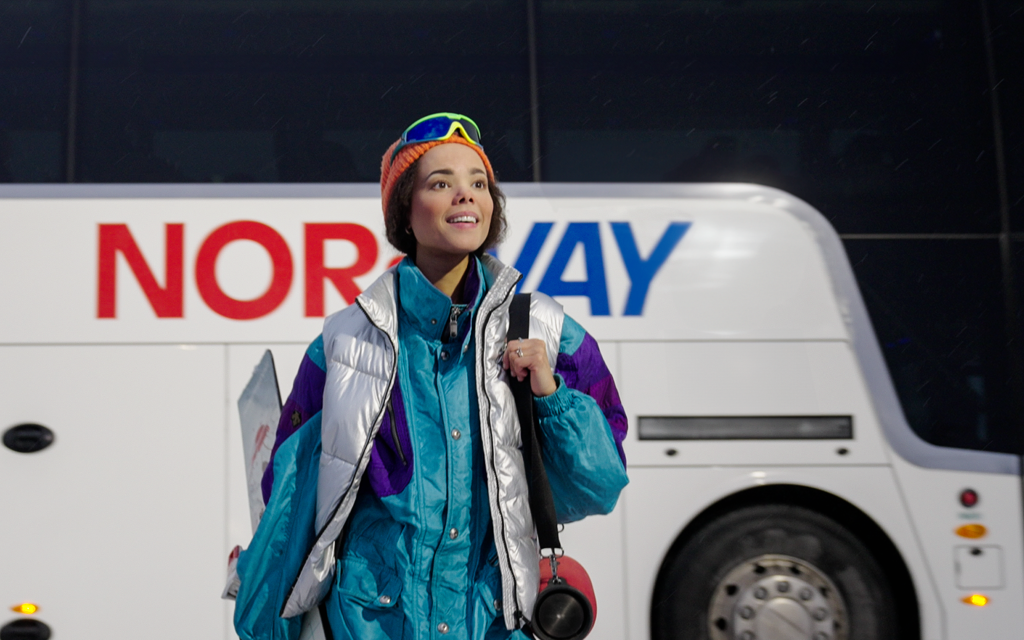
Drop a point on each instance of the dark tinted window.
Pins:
(874, 112)
(938, 313)
(1008, 41)
(34, 62)
(299, 91)
(1018, 339)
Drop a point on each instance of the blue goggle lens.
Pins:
(436, 128)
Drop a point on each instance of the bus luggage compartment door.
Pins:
(122, 516)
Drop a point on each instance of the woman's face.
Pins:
(451, 206)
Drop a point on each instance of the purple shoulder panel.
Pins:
(304, 402)
(390, 468)
(585, 371)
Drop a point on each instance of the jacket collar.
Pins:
(379, 302)
(425, 307)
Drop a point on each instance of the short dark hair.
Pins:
(396, 219)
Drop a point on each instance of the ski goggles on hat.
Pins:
(439, 126)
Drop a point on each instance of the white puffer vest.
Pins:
(361, 349)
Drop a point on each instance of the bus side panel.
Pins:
(662, 501)
(735, 268)
(758, 379)
(120, 521)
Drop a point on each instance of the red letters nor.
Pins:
(167, 301)
(206, 273)
(343, 278)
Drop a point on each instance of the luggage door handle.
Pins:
(28, 438)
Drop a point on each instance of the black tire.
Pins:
(695, 571)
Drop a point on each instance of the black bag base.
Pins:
(562, 612)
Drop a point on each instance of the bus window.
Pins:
(1007, 34)
(199, 91)
(34, 65)
(937, 312)
(875, 113)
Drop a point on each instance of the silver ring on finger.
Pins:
(519, 349)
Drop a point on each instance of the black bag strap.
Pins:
(542, 502)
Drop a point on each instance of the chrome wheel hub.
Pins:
(775, 597)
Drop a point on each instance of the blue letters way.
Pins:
(641, 272)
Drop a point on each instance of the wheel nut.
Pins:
(747, 635)
(820, 614)
(760, 593)
(746, 613)
(805, 594)
(782, 586)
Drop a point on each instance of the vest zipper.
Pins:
(517, 613)
(394, 432)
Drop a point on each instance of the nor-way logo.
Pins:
(167, 301)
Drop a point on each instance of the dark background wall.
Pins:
(901, 121)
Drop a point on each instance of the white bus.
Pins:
(776, 489)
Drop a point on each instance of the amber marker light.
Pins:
(25, 607)
(972, 531)
(976, 599)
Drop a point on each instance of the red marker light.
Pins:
(969, 498)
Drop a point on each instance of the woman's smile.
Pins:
(463, 220)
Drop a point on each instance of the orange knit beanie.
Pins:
(391, 171)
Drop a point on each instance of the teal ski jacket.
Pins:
(418, 556)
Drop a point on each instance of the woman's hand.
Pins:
(530, 356)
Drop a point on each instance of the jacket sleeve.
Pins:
(582, 427)
(268, 568)
(305, 401)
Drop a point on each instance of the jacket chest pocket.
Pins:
(375, 543)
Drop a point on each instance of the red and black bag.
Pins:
(566, 606)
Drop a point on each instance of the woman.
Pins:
(397, 498)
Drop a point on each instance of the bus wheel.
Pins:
(772, 572)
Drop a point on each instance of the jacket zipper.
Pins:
(394, 432)
(453, 323)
